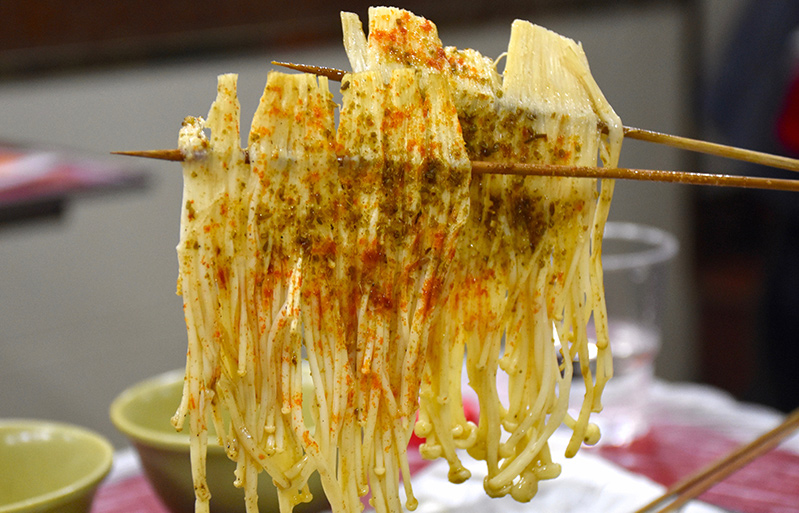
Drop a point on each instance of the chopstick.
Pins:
(651, 175)
(675, 141)
(695, 484)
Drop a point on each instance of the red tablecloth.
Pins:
(770, 484)
(691, 426)
(131, 495)
(134, 494)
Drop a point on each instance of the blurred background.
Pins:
(87, 278)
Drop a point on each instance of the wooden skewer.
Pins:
(332, 73)
(595, 172)
(651, 175)
(174, 155)
(675, 141)
(709, 148)
(695, 484)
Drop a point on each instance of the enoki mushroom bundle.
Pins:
(362, 256)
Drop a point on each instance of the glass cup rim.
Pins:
(661, 246)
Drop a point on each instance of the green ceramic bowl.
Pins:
(48, 466)
(143, 412)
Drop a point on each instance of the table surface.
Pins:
(691, 426)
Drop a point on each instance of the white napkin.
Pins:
(587, 483)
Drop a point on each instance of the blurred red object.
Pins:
(788, 120)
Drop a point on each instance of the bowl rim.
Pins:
(179, 440)
(84, 484)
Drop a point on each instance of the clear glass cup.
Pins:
(636, 261)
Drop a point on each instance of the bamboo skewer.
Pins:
(333, 74)
(695, 484)
(173, 155)
(685, 143)
(675, 141)
(710, 148)
(651, 175)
